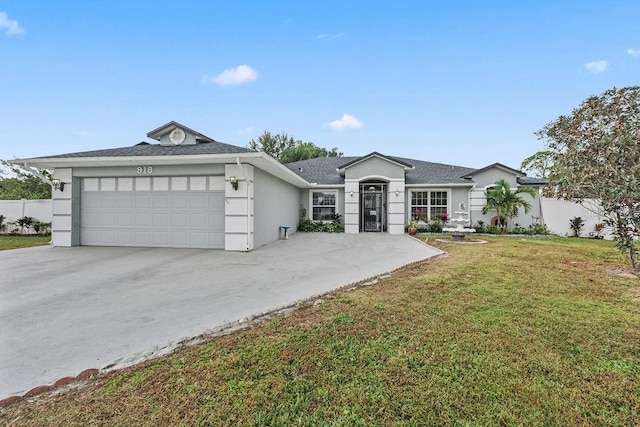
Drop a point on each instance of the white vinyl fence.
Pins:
(41, 210)
(557, 213)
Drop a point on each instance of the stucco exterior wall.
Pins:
(305, 203)
(490, 176)
(523, 219)
(477, 198)
(277, 203)
(372, 167)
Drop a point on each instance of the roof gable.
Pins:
(495, 166)
(357, 160)
(167, 128)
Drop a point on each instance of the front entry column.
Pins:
(351, 206)
(396, 198)
(238, 210)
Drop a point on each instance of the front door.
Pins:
(372, 215)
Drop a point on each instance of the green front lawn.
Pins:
(16, 242)
(516, 332)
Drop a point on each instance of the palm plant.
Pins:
(506, 201)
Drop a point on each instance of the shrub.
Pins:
(3, 224)
(42, 227)
(493, 229)
(576, 224)
(335, 226)
(435, 225)
(518, 229)
(26, 222)
(599, 229)
(538, 229)
(479, 227)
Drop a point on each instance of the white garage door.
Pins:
(177, 212)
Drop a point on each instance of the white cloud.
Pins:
(330, 36)
(596, 66)
(233, 76)
(11, 26)
(246, 131)
(347, 121)
(634, 52)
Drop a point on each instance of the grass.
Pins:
(17, 242)
(515, 332)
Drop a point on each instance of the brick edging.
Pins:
(84, 375)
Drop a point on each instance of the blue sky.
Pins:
(464, 83)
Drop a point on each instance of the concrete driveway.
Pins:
(63, 310)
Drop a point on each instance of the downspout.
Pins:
(540, 205)
(246, 178)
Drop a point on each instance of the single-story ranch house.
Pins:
(191, 191)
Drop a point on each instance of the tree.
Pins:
(538, 164)
(506, 201)
(23, 185)
(596, 155)
(307, 150)
(285, 149)
(273, 145)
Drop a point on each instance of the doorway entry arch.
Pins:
(373, 206)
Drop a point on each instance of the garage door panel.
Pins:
(198, 220)
(107, 200)
(197, 239)
(161, 238)
(180, 219)
(126, 237)
(215, 239)
(159, 219)
(198, 201)
(109, 236)
(180, 238)
(125, 219)
(216, 220)
(136, 216)
(142, 200)
(107, 219)
(160, 201)
(180, 201)
(125, 201)
(142, 238)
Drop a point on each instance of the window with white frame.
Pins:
(323, 205)
(426, 205)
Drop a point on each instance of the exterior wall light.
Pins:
(397, 193)
(58, 185)
(351, 193)
(234, 182)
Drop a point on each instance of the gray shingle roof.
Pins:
(214, 147)
(530, 180)
(323, 170)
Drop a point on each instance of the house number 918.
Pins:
(145, 169)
